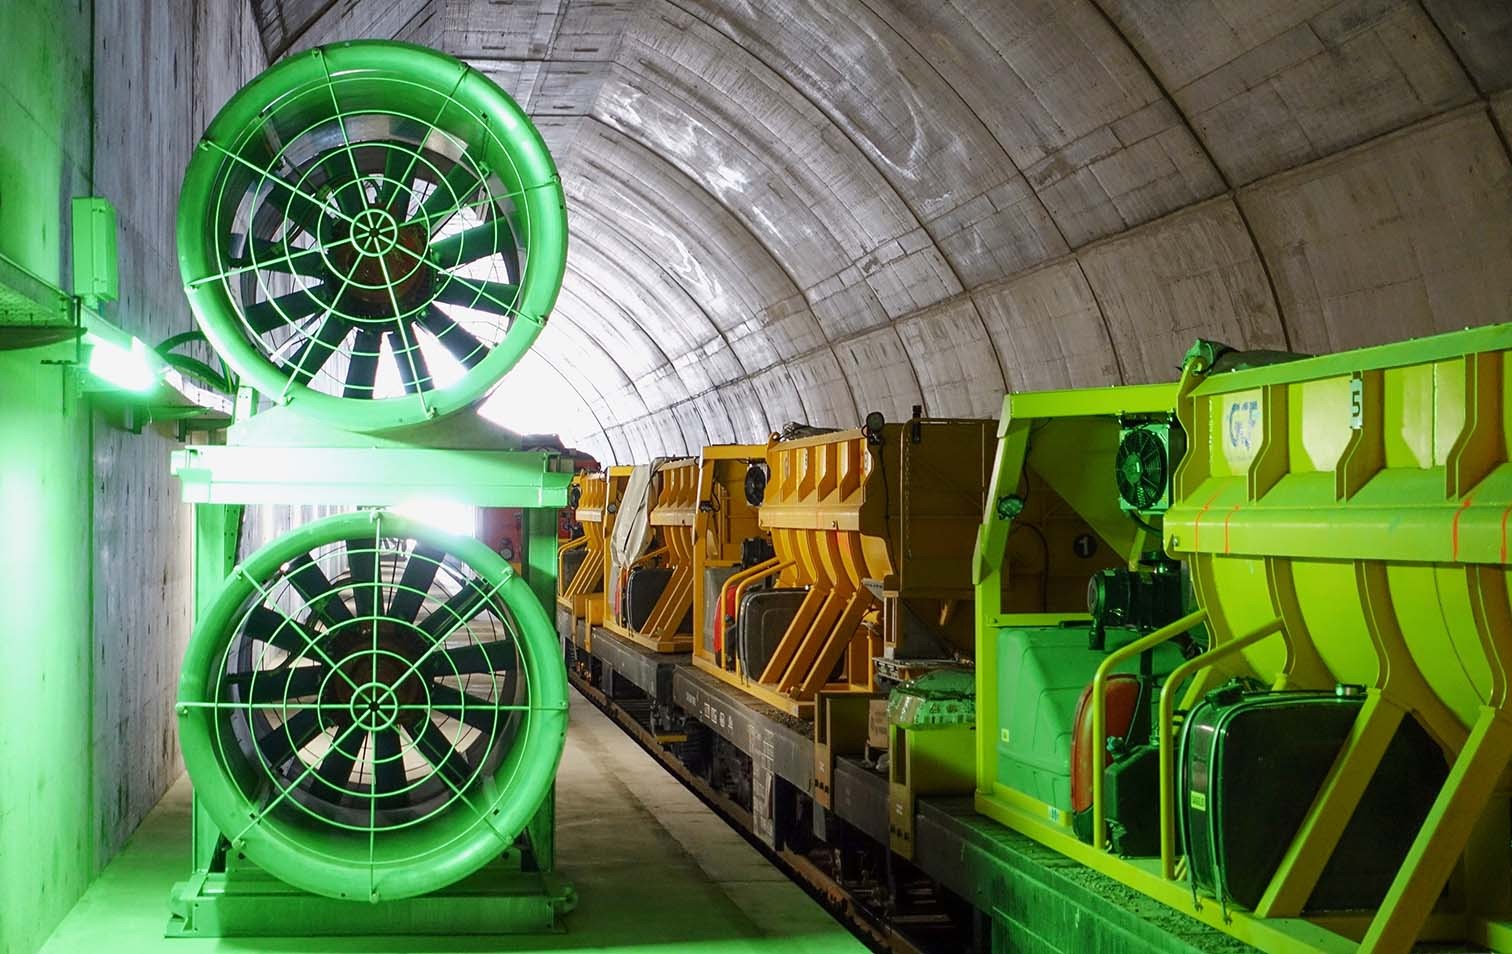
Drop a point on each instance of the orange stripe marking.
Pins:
(1197, 523)
(1226, 518)
(1454, 527)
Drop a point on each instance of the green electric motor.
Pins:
(371, 708)
(372, 232)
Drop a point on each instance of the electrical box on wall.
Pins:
(95, 272)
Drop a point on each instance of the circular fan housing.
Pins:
(372, 709)
(1141, 468)
(755, 484)
(373, 233)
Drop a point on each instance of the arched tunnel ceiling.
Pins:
(804, 210)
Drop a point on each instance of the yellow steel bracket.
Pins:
(1473, 779)
(992, 537)
(562, 582)
(742, 581)
(1313, 845)
(646, 557)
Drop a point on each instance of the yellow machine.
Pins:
(583, 563)
(871, 534)
(667, 626)
(699, 527)
(931, 743)
(1342, 522)
(650, 559)
(727, 537)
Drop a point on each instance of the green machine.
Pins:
(371, 709)
(1286, 713)
(1071, 575)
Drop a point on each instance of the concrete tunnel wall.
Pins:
(100, 98)
(810, 209)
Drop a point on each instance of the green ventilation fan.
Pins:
(372, 709)
(1145, 464)
(372, 232)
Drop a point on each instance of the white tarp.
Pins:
(632, 528)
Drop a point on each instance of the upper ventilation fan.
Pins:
(372, 232)
(372, 709)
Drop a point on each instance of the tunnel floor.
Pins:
(654, 869)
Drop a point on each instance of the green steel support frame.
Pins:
(370, 235)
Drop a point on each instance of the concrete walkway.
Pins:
(654, 869)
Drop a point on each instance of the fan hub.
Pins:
(387, 662)
(377, 263)
(374, 232)
(374, 707)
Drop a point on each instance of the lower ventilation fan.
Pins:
(371, 708)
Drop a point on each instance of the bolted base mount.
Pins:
(500, 899)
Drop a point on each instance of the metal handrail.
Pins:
(1100, 714)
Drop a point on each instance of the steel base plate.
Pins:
(251, 903)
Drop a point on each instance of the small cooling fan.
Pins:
(756, 484)
(372, 709)
(1142, 467)
(372, 231)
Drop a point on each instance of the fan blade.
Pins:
(317, 350)
(389, 775)
(301, 211)
(336, 768)
(466, 603)
(438, 751)
(414, 373)
(493, 237)
(456, 187)
(458, 340)
(350, 200)
(398, 182)
(496, 298)
(264, 316)
(318, 593)
(362, 369)
(274, 628)
(284, 684)
(277, 257)
(476, 658)
(415, 582)
(363, 561)
(340, 168)
(280, 744)
(466, 707)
